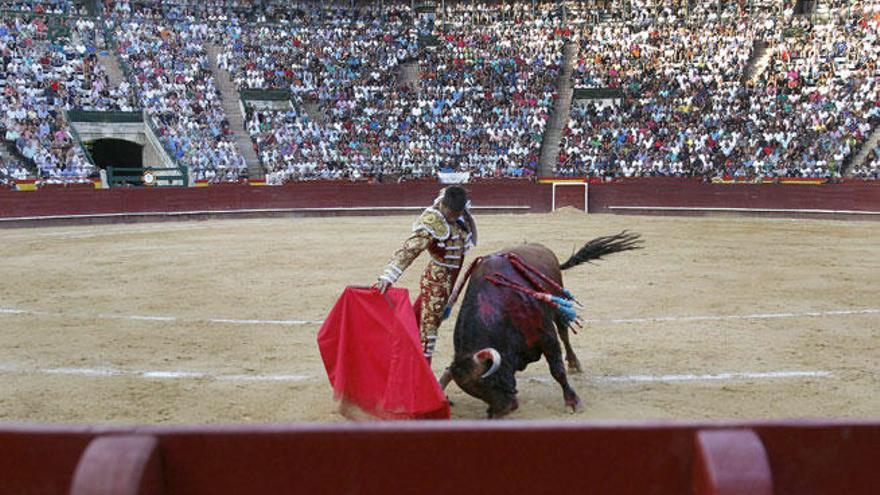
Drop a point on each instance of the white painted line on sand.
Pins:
(172, 374)
(73, 371)
(607, 379)
(135, 214)
(714, 377)
(161, 318)
(266, 322)
(756, 316)
(290, 323)
(152, 374)
(138, 317)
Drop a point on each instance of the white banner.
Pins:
(454, 177)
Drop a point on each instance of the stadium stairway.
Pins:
(758, 62)
(111, 65)
(232, 107)
(409, 74)
(866, 148)
(313, 110)
(821, 12)
(561, 111)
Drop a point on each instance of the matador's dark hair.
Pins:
(455, 198)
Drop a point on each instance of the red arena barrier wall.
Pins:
(805, 458)
(522, 195)
(40, 460)
(643, 196)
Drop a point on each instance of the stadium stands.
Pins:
(348, 67)
(168, 65)
(490, 85)
(688, 110)
(44, 6)
(46, 72)
(713, 89)
(870, 168)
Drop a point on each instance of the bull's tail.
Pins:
(601, 246)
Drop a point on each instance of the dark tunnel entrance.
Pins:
(116, 153)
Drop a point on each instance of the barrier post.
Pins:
(731, 462)
(119, 465)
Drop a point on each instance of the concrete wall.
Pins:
(153, 153)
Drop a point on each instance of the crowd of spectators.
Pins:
(480, 104)
(318, 57)
(345, 63)
(375, 93)
(44, 6)
(489, 87)
(42, 77)
(11, 171)
(685, 106)
(870, 167)
(169, 67)
(177, 10)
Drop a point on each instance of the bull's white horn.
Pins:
(491, 355)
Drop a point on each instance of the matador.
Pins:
(447, 230)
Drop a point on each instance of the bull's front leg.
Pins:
(557, 368)
(445, 378)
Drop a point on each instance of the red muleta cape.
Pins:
(371, 350)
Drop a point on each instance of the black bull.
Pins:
(499, 330)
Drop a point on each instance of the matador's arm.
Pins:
(417, 242)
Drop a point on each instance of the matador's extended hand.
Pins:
(382, 285)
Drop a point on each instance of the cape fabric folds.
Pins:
(371, 350)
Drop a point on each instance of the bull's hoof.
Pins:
(574, 405)
(512, 406)
(574, 367)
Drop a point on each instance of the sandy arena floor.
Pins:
(716, 318)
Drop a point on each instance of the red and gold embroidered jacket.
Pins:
(446, 243)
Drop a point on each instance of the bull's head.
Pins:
(476, 374)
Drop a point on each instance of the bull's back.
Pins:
(537, 256)
(488, 308)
